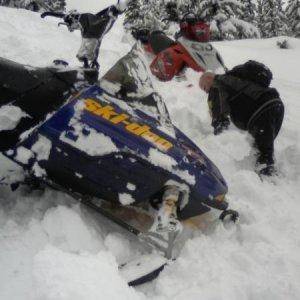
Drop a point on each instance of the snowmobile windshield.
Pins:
(129, 81)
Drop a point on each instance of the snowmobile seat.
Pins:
(159, 41)
(37, 92)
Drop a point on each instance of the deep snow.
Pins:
(51, 248)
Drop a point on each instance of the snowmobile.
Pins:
(113, 147)
(191, 48)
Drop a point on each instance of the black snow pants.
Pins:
(264, 126)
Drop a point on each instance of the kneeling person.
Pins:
(244, 95)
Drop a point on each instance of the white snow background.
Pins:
(50, 248)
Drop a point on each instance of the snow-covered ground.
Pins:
(88, 5)
(50, 248)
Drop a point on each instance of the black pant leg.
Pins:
(265, 129)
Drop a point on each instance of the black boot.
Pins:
(265, 165)
(95, 65)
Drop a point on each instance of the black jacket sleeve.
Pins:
(242, 98)
(218, 100)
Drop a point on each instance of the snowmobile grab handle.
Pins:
(52, 14)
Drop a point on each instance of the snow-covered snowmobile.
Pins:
(191, 49)
(113, 147)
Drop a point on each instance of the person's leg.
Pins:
(219, 112)
(89, 51)
(82, 54)
(264, 130)
(95, 63)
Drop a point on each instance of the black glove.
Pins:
(220, 125)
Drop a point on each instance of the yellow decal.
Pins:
(108, 113)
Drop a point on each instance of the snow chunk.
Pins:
(131, 186)
(23, 155)
(94, 144)
(85, 138)
(61, 275)
(42, 148)
(126, 199)
(166, 162)
(78, 175)
(10, 116)
(160, 159)
(38, 171)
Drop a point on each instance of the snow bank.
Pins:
(75, 276)
(88, 5)
(126, 199)
(50, 248)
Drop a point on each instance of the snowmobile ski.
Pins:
(143, 269)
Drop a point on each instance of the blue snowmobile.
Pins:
(111, 145)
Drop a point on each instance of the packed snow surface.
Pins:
(51, 248)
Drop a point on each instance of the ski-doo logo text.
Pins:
(108, 113)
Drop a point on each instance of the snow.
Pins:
(42, 148)
(88, 5)
(57, 272)
(51, 248)
(160, 159)
(88, 140)
(126, 199)
(10, 116)
(23, 155)
(130, 186)
(94, 144)
(166, 162)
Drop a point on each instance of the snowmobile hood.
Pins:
(95, 127)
